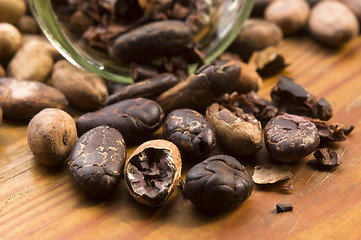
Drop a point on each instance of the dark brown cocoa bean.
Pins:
(217, 184)
(153, 40)
(191, 132)
(291, 97)
(97, 161)
(147, 88)
(289, 138)
(200, 89)
(23, 99)
(135, 118)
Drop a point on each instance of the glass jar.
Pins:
(224, 23)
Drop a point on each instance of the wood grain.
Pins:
(42, 203)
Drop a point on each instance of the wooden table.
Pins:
(40, 203)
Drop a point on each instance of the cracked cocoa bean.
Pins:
(217, 184)
(135, 118)
(291, 97)
(331, 132)
(152, 172)
(191, 132)
(327, 157)
(289, 138)
(97, 161)
(238, 132)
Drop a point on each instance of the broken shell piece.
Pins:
(153, 171)
(271, 173)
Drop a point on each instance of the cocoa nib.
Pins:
(291, 97)
(327, 157)
(331, 132)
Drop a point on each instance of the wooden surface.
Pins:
(40, 203)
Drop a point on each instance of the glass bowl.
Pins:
(212, 38)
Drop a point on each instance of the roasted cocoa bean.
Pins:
(291, 97)
(135, 118)
(238, 132)
(289, 138)
(97, 161)
(200, 89)
(10, 40)
(153, 40)
(147, 88)
(355, 6)
(327, 157)
(153, 171)
(23, 99)
(190, 132)
(267, 62)
(11, 11)
(217, 184)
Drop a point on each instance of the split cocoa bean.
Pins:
(153, 171)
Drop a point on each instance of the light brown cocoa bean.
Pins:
(256, 34)
(84, 90)
(23, 99)
(27, 24)
(10, 40)
(2, 71)
(11, 10)
(290, 15)
(31, 62)
(51, 135)
(332, 23)
(355, 6)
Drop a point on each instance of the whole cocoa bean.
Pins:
(51, 136)
(255, 35)
(153, 171)
(191, 132)
(11, 10)
(153, 40)
(23, 99)
(259, 7)
(10, 40)
(217, 184)
(290, 15)
(355, 6)
(332, 23)
(148, 88)
(97, 161)
(135, 118)
(84, 90)
(27, 24)
(31, 62)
